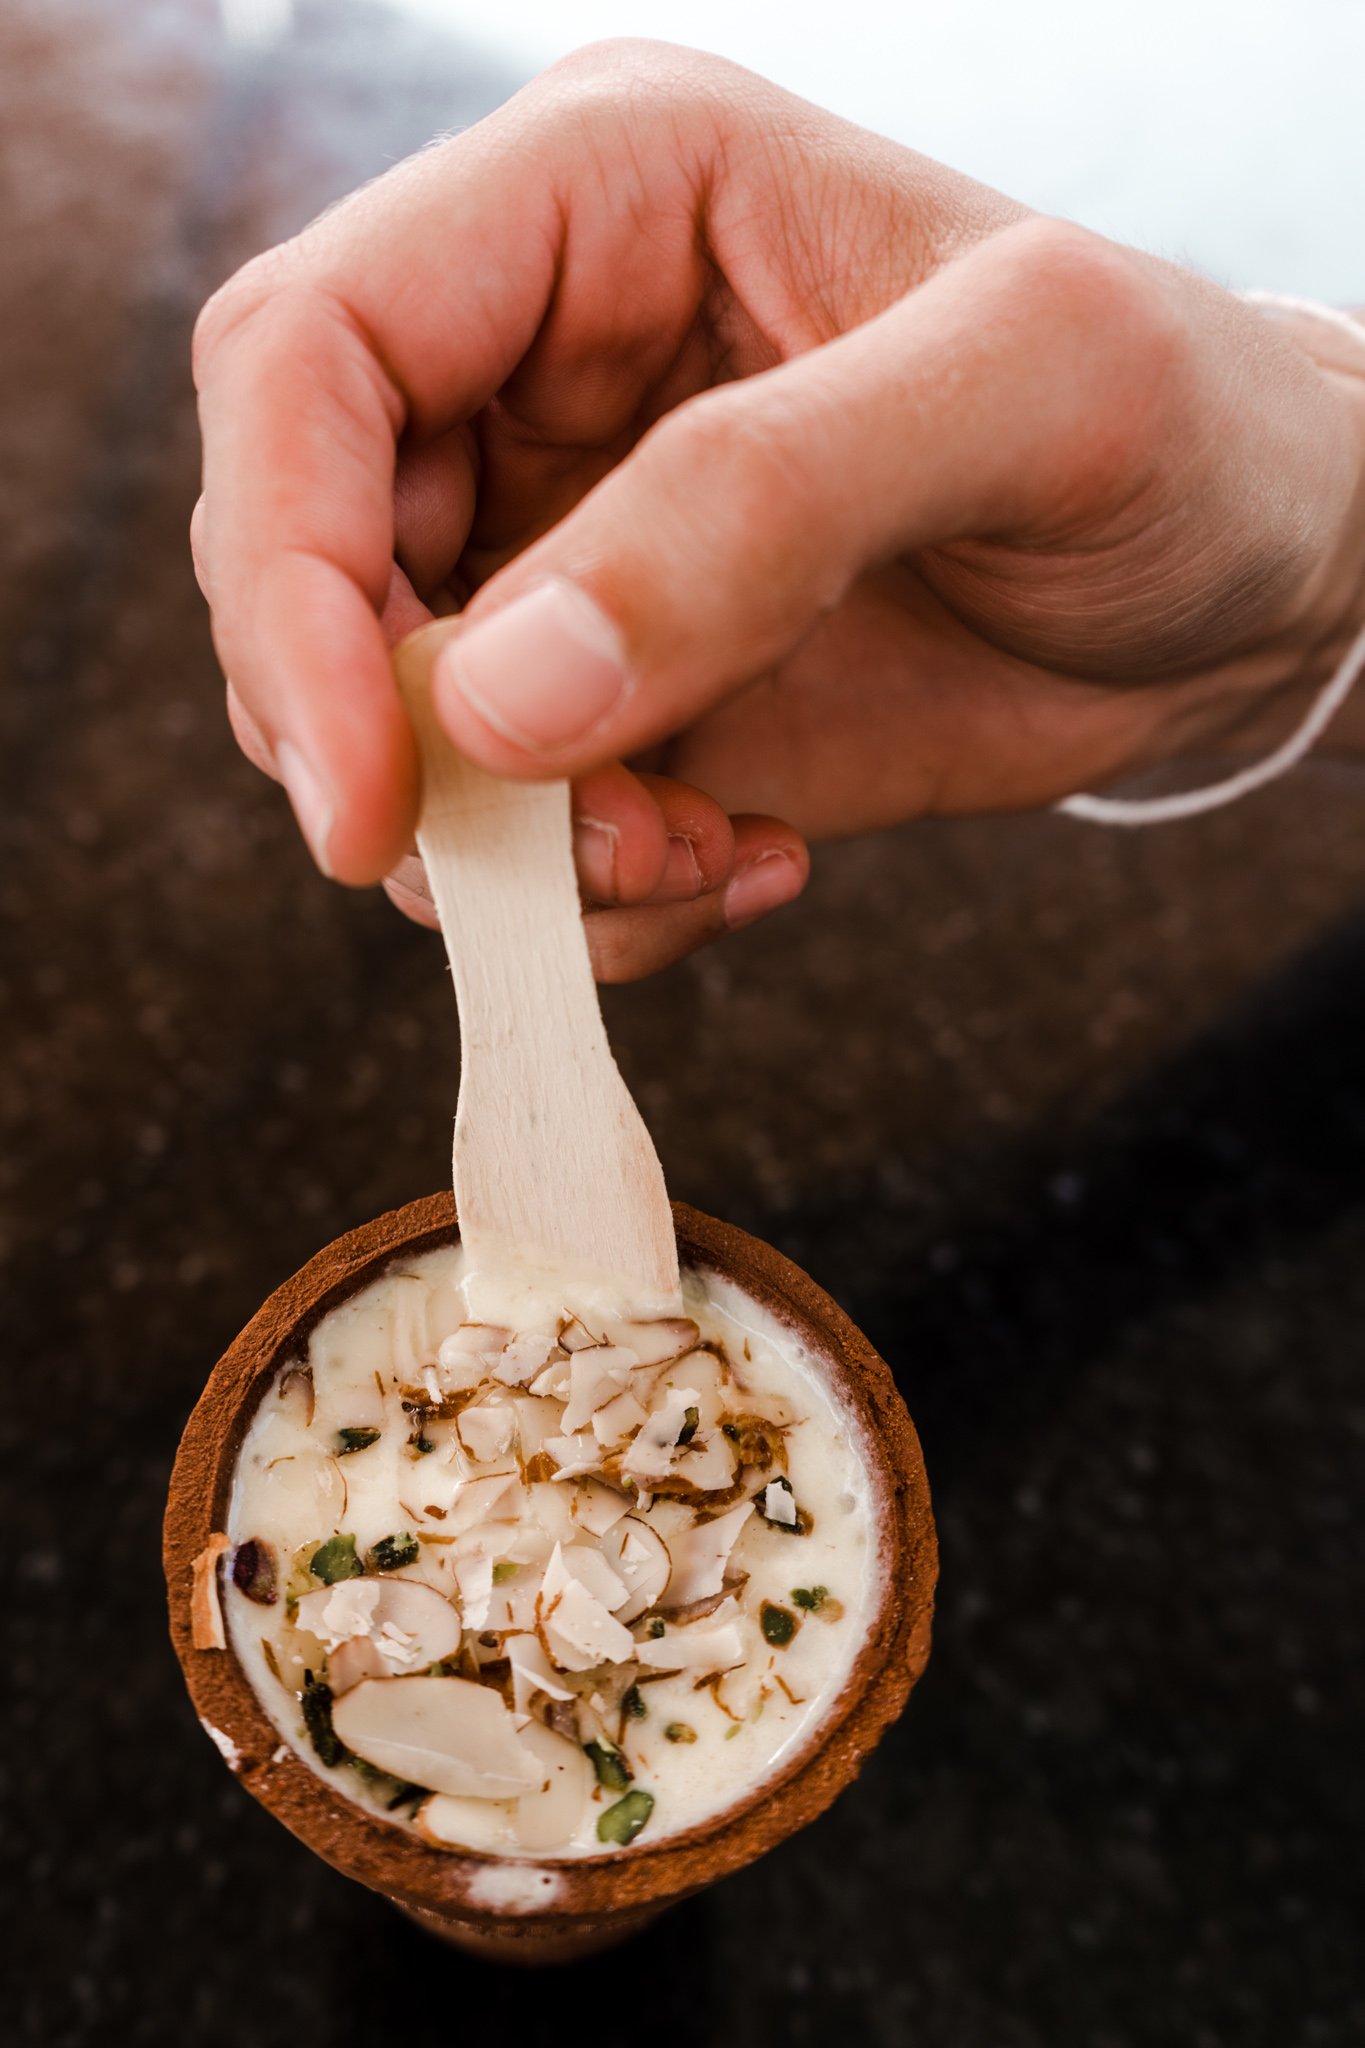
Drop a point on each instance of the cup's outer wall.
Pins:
(584, 1899)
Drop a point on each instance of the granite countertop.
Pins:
(1073, 1125)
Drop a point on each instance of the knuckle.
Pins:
(743, 454)
(237, 303)
(632, 76)
(1107, 297)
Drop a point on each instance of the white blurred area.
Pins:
(1226, 133)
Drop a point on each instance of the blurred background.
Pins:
(1074, 1125)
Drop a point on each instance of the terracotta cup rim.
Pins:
(553, 1895)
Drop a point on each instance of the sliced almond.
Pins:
(410, 1624)
(546, 1819)
(701, 1553)
(450, 1823)
(353, 1660)
(450, 1734)
(639, 1557)
(206, 1611)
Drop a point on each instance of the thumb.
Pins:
(706, 555)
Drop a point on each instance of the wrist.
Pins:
(1266, 692)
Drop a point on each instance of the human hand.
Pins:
(822, 485)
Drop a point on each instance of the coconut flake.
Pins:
(532, 1672)
(493, 1497)
(577, 1628)
(598, 1508)
(573, 1454)
(701, 1553)
(224, 1744)
(779, 1504)
(206, 1611)
(584, 1562)
(474, 1576)
(450, 1734)
(657, 1342)
(576, 1336)
(469, 1355)
(407, 1623)
(553, 1384)
(485, 1430)
(717, 1647)
(651, 1454)
(595, 1377)
(708, 1464)
(613, 1423)
(522, 1359)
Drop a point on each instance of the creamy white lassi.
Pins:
(549, 1586)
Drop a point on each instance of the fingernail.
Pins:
(312, 805)
(541, 672)
(764, 885)
(681, 878)
(594, 848)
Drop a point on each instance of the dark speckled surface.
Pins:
(1075, 1126)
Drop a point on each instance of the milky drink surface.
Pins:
(554, 1585)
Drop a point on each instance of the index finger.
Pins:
(310, 364)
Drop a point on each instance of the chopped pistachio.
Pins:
(506, 1568)
(679, 1731)
(394, 1792)
(633, 1704)
(691, 1417)
(611, 1767)
(317, 1719)
(255, 1571)
(778, 1624)
(656, 1628)
(349, 1440)
(811, 1598)
(391, 1553)
(731, 1733)
(300, 1579)
(622, 1822)
(335, 1560)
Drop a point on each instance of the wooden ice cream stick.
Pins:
(553, 1165)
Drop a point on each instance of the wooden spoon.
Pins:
(555, 1173)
